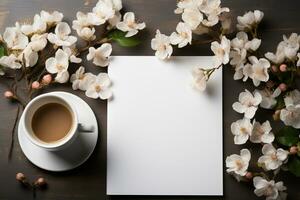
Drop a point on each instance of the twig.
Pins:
(199, 42)
(12, 134)
(95, 43)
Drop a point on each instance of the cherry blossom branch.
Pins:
(12, 133)
(93, 44)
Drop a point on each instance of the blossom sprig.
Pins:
(199, 17)
(273, 75)
(43, 52)
(47, 46)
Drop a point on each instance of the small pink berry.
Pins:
(249, 175)
(283, 67)
(274, 68)
(47, 79)
(282, 87)
(8, 94)
(293, 150)
(35, 85)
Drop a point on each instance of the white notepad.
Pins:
(163, 137)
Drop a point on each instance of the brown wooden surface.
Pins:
(89, 180)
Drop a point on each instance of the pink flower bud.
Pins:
(249, 175)
(282, 87)
(283, 67)
(35, 85)
(40, 182)
(47, 79)
(274, 68)
(293, 150)
(8, 94)
(20, 177)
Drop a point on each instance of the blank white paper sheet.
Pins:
(163, 137)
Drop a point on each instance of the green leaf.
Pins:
(288, 136)
(294, 166)
(119, 37)
(2, 51)
(280, 103)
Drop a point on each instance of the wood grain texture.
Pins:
(88, 181)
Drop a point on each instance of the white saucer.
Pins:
(72, 156)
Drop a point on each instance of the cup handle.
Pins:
(85, 129)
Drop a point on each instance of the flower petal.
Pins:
(105, 94)
(51, 65)
(62, 77)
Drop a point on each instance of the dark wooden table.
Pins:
(89, 180)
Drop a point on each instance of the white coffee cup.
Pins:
(29, 112)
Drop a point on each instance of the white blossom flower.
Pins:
(38, 26)
(161, 44)
(38, 42)
(100, 87)
(287, 48)
(185, 4)
(71, 51)
(269, 189)
(84, 26)
(241, 129)
(59, 64)
(249, 20)
(52, 18)
(81, 80)
(100, 55)
(238, 56)
(238, 164)
(258, 71)
(261, 133)
(87, 33)
(239, 71)
(82, 20)
(268, 97)
(183, 35)
(291, 115)
(247, 103)
(199, 79)
(276, 58)
(116, 4)
(10, 61)
(103, 11)
(31, 57)
(213, 10)
(14, 38)
(272, 158)
(129, 25)
(293, 98)
(62, 77)
(241, 42)
(290, 45)
(240, 45)
(61, 36)
(221, 51)
(192, 17)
